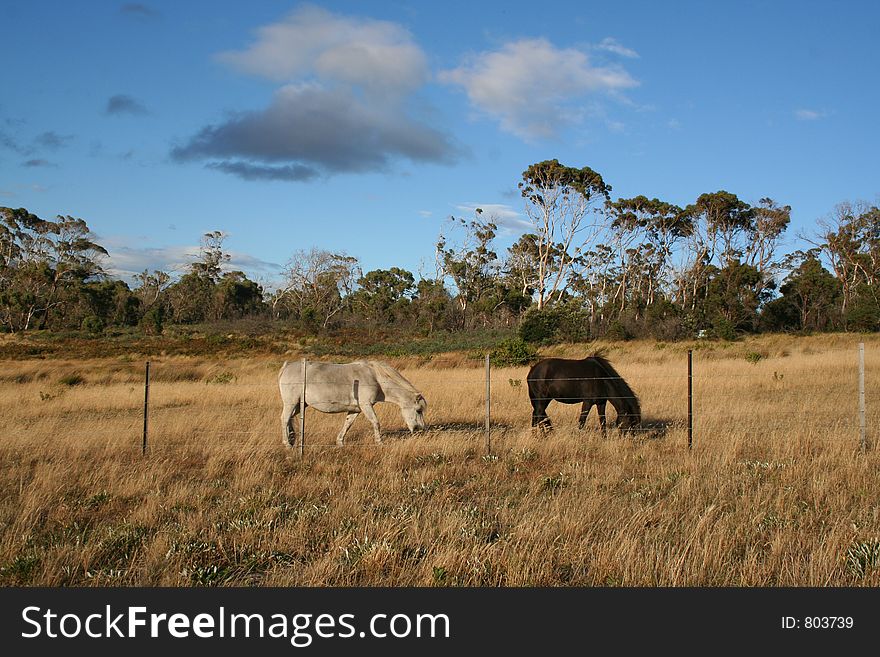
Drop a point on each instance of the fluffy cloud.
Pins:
(341, 109)
(126, 261)
(534, 88)
(375, 55)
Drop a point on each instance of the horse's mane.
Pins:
(624, 399)
(387, 373)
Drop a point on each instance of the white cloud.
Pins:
(534, 88)
(126, 261)
(500, 214)
(372, 54)
(809, 114)
(609, 44)
(342, 108)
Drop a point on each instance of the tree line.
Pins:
(588, 266)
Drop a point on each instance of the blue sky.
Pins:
(360, 127)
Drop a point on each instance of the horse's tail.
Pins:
(622, 397)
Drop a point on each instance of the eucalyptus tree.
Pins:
(644, 234)
(561, 204)
(192, 298)
(316, 286)
(469, 260)
(41, 261)
(383, 293)
(717, 219)
(849, 240)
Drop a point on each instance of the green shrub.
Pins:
(513, 352)
(92, 324)
(663, 321)
(538, 325)
(618, 331)
(562, 323)
(863, 315)
(151, 323)
(724, 329)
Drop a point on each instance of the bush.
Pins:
(564, 323)
(863, 315)
(664, 321)
(92, 324)
(724, 329)
(617, 331)
(152, 321)
(538, 325)
(513, 352)
(573, 324)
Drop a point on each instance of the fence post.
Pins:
(690, 398)
(488, 407)
(146, 405)
(862, 437)
(302, 412)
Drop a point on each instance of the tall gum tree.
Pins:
(559, 201)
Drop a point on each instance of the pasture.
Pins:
(775, 491)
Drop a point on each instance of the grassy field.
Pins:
(775, 491)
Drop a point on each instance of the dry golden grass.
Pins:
(774, 492)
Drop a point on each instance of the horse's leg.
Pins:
(287, 414)
(585, 411)
(539, 414)
(600, 407)
(349, 420)
(370, 414)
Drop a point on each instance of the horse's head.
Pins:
(414, 414)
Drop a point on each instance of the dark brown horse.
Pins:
(589, 381)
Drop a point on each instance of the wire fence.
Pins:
(690, 402)
(470, 404)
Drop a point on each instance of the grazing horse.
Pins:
(350, 388)
(588, 381)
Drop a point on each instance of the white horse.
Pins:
(350, 388)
